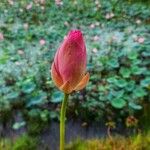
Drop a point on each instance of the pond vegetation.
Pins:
(117, 97)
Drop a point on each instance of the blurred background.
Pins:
(117, 36)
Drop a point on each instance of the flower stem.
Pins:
(62, 121)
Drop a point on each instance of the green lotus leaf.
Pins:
(137, 70)
(18, 125)
(28, 87)
(121, 83)
(145, 82)
(130, 86)
(135, 106)
(139, 92)
(57, 97)
(118, 103)
(38, 99)
(125, 72)
(111, 79)
(113, 63)
(12, 95)
(132, 55)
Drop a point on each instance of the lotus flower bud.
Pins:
(68, 69)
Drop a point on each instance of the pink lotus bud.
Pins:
(69, 67)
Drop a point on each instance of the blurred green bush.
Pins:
(118, 43)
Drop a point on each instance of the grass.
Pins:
(24, 142)
(137, 142)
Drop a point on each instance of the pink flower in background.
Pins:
(109, 15)
(94, 50)
(96, 38)
(59, 2)
(42, 1)
(29, 6)
(97, 3)
(140, 40)
(11, 2)
(42, 42)
(68, 69)
(1, 36)
(92, 26)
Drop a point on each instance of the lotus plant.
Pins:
(68, 72)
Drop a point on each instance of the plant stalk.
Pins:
(62, 121)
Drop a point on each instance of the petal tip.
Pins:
(83, 82)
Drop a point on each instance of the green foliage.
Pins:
(5, 144)
(37, 120)
(57, 97)
(145, 117)
(18, 125)
(118, 56)
(25, 143)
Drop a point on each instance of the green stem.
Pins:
(62, 121)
